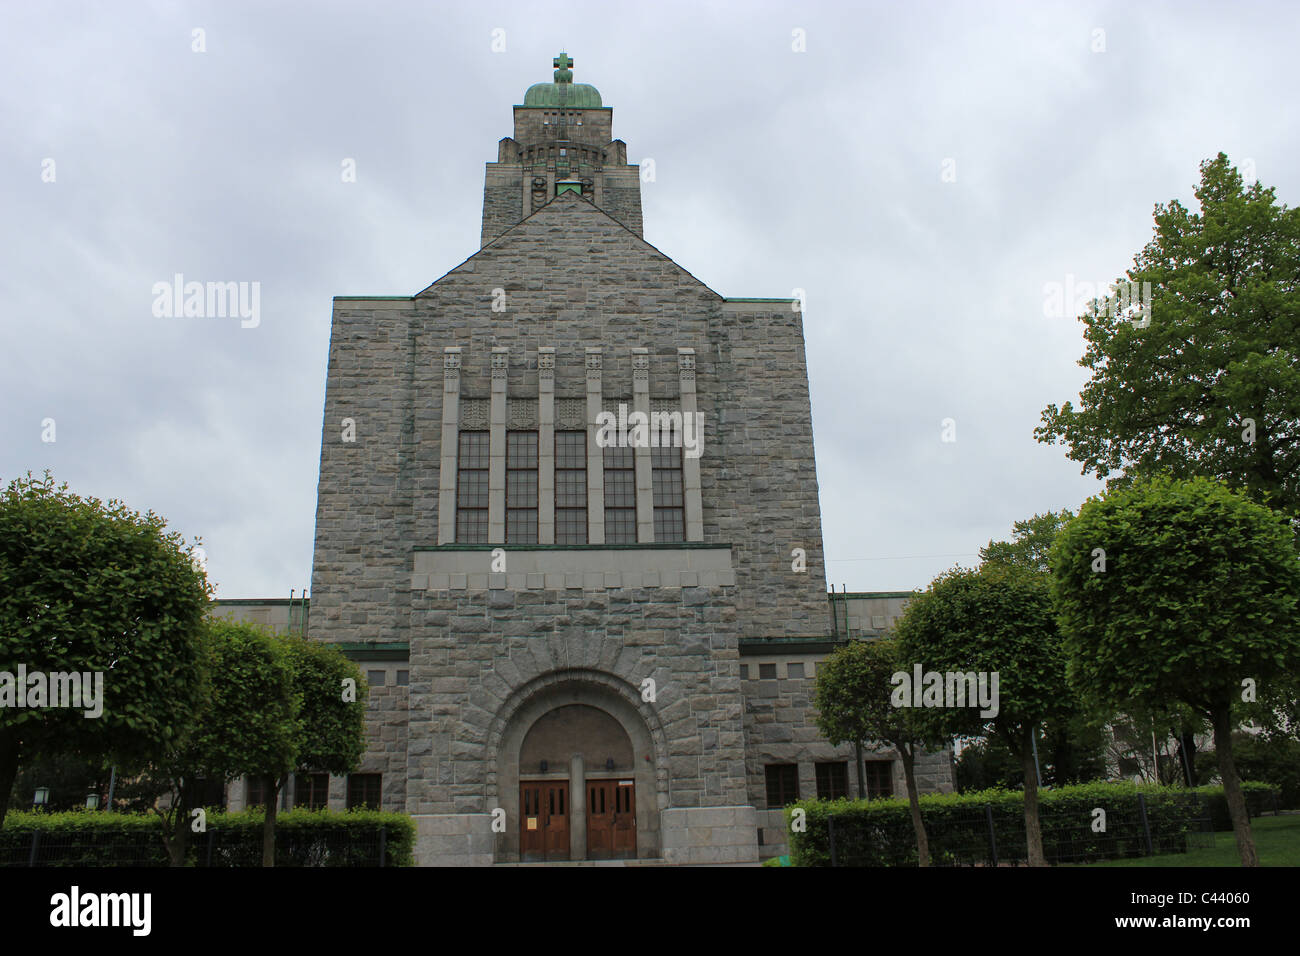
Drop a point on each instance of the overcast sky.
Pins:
(921, 170)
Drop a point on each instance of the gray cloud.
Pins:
(775, 170)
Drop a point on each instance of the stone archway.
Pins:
(582, 721)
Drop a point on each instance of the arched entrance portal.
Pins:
(576, 775)
(594, 754)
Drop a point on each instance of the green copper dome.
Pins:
(563, 92)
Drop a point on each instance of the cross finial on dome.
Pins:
(562, 72)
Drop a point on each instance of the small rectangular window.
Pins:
(375, 678)
(832, 780)
(782, 784)
(209, 792)
(767, 672)
(794, 671)
(403, 678)
(364, 791)
(879, 778)
(311, 790)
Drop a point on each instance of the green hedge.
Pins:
(879, 832)
(302, 838)
(1260, 798)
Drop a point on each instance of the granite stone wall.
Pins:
(573, 277)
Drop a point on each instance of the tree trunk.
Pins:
(175, 832)
(1232, 787)
(8, 768)
(1033, 833)
(179, 844)
(862, 783)
(922, 840)
(273, 788)
(1187, 755)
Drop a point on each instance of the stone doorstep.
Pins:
(642, 862)
(650, 861)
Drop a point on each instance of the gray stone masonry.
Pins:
(572, 276)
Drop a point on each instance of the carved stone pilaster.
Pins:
(450, 444)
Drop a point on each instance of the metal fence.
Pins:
(995, 835)
(217, 847)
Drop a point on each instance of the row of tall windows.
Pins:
(311, 790)
(832, 778)
(571, 520)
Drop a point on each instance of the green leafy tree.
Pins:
(329, 725)
(1179, 591)
(1071, 741)
(96, 588)
(1031, 542)
(274, 704)
(245, 723)
(1069, 751)
(999, 620)
(269, 744)
(1272, 760)
(1211, 385)
(70, 778)
(988, 763)
(852, 698)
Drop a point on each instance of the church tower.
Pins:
(568, 496)
(563, 142)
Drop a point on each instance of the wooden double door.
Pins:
(545, 810)
(544, 820)
(611, 819)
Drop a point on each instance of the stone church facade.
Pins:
(589, 638)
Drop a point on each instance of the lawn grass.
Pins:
(1277, 840)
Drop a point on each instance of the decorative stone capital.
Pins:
(594, 360)
(546, 362)
(500, 363)
(641, 367)
(451, 358)
(686, 364)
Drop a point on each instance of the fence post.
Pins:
(830, 830)
(993, 839)
(36, 842)
(1146, 827)
(383, 846)
(211, 836)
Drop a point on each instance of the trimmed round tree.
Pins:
(852, 698)
(246, 724)
(94, 589)
(1180, 591)
(330, 723)
(998, 620)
